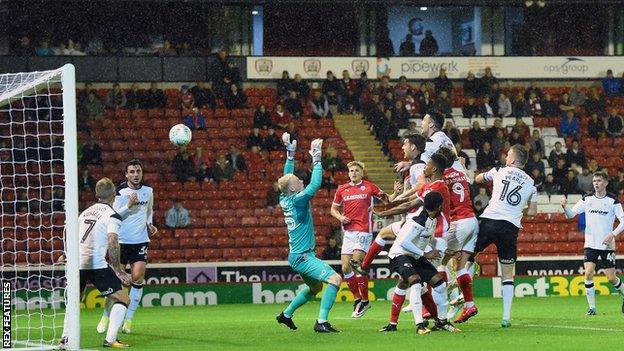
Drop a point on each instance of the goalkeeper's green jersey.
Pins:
(298, 213)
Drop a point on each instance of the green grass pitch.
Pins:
(555, 323)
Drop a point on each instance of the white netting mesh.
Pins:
(32, 189)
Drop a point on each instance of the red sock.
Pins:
(363, 286)
(373, 251)
(397, 303)
(429, 304)
(352, 283)
(465, 284)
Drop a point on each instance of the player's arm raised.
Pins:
(401, 208)
(317, 168)
(572, 212)
(486, 176)
(291, 149)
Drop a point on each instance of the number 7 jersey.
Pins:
(513, 188)
(94, 224)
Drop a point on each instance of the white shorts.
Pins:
(462, 234)
(353, 240)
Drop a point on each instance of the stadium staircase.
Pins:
(367, 149)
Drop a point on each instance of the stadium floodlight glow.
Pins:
(254, 12)
(541, 3)
(423, 8)
(528, 3)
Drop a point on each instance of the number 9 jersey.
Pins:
(513, 188)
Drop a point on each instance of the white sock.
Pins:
(348, 275)
(107, 307)
(508, 293)
(470, 267)
(381, 241)
(135, 297)
(440, 298)
(117, 313)
(619, 286)
(416, 302)
(590, 291)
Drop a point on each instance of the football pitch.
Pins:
(554, 323)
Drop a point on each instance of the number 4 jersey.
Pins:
(94, 224)
(512, 190)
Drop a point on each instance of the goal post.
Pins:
(39, 207)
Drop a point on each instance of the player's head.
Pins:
(290, 184)
(449, 154)
(356, 171)
(517, 156)
(432, 122)
(433, 204)
(105, 190)
(134, 172)
(413, 145)
(600, 181)
(436, 165)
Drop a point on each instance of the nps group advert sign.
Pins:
(542, 67)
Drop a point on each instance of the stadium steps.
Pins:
(366, 149)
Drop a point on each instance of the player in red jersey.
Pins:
(355, 199)
(462, 234)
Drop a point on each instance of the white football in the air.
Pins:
(180, 135)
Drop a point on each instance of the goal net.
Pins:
(39, 204)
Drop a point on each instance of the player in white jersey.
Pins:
(600, 210)
(98, 229)
(134, 202)
(413, 146)
(500, 222)
(409, 259)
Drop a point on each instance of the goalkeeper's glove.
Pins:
(315, 150)
(291, 147)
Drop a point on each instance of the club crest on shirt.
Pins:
(362, 188)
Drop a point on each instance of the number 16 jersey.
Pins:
(512, 190)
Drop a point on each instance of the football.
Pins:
(180, 135)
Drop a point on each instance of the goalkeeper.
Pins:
(295, 202)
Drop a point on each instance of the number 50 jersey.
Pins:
(512, 190)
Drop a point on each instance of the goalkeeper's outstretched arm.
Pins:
(317, 170)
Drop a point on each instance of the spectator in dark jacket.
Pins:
(549, 107)
(470, 110)
(292, 104)
(284, 85)
(262, 119)
(471, 85)
(425, 104)
(595, 104)
(487, 81)
(254, 139)
(154, 97)
(556, 154)
(451, 132)
(204, 96)
(485, 157)
(332, 251)
(134, 97)
(569, 184)
(271, 142)
(596, 127)
(443, 104)
(236, 159)
(234, 98)
(442, 83)
(477, 136)
(407, 47)
(576, 155)
(332, 89)
(183, 166)
(428, 45)
(301, 87)
(614, 124)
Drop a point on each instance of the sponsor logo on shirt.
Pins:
(355, 197)
(600, 212)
